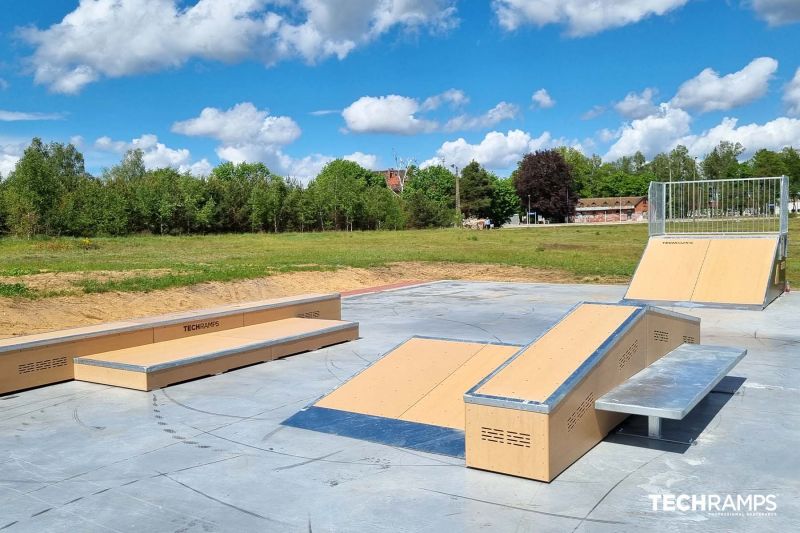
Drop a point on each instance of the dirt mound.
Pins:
(20, 317)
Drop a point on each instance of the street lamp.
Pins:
(528, 214)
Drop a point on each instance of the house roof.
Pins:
(393, 178)
(624, 202)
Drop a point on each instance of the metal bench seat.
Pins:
(673, 385)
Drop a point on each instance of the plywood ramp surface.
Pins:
(423, 380)
(668, 269)
(547, 363)
(177, 350)
(736, 271)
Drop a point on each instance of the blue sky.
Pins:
(295, 84)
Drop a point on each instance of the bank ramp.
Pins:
(527, 411)
(719, 243)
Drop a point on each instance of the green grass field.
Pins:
(589, 253)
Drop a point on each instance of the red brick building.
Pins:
(394, 178)
(614, 209)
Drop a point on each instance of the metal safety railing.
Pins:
(726, 206)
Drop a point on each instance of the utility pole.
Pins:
(458, 192)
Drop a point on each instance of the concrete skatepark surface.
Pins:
(211, 455)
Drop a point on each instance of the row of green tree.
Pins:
(50, 193)
(631, 176)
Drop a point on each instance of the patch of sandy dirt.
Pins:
(65, 282)
(21, 317)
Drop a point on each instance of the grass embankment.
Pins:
(146, 263)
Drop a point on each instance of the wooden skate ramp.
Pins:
(411, 397)
(535, 415)
(720, 271)
(164, 363)
(546, 364)
(668, 270)
(45, 358)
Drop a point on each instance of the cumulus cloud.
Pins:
(10, 152)
(500, 112)
(18, 116)
(791, 94)
(248, 134)
(637, 105)
(773, 135)
(671, 126)
(581, 17)
(709, 91)
(777, 12)
(115, 38)
(542, 99)
(386, 114)
(155, 154)
(496, 150)
(453, 97)
(243, 123)
(368, 161)
(402, 115)
(652, 134)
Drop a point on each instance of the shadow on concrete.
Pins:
(677, 435)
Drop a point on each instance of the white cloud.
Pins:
(249, 134)
(401, 115)
(670, 127)
(594, 112)
(76, 141)
(582, 17)
(115, 38)
(542, 99)
(323, 112)
(155, 154)
(791, 94)
(4, 84)
(777, 12)
(10, 152)
(243, 123)
(454, 97)
(500, 112)
(497, 150)
(368, 161)
(773, 135)
(386, 114)
(637, 105)
(606, 135)
(709, 91)
(651, 135)
(18, 116)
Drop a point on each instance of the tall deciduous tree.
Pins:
(547, 178)
(505, 202)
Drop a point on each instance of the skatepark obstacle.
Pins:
(720, 243)
(528, 412)
(35, 360)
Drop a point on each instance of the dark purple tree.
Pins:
(547, 178)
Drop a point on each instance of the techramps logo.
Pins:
(736, 505)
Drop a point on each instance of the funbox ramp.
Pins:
(525, 411)
(151, 352)
(721, 271)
